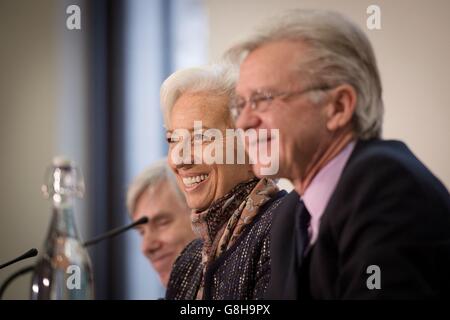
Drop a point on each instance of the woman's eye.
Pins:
(173, 139)
(208, 138)
(198, 137)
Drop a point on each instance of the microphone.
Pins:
(115, 232)
(30, 253)
(33, 252)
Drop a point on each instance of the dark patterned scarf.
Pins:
(222, 223)
(210, 223)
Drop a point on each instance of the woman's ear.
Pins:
(341, 107)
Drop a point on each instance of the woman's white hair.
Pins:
(338, 52)
(151, 177)
(216, 79)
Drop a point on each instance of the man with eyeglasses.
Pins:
(367, 220)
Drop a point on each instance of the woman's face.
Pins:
(203, 183)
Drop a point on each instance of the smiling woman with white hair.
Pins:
(231, 208)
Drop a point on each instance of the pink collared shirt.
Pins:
(322, 186)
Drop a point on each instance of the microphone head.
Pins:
(116, 231)
(140, 221)
(32, 253)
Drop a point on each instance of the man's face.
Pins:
(168, 230)
(273, 68)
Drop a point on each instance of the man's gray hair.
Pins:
(216, 79)
(338, 52)
(151, 177)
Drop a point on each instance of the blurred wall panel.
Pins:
(28, 108)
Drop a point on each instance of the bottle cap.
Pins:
(63, 178)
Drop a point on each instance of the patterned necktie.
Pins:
(302, 221)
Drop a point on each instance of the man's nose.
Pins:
(248, 119)
(150, 243)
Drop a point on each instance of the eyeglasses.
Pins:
(261, 100)
(175, 137)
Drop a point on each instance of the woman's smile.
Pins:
(192, 182)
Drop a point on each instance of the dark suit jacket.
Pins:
(387, 210)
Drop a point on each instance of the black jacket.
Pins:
(241, 272)
(387, 210)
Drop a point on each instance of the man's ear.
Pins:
(341, 107)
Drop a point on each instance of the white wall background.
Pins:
(412, 48)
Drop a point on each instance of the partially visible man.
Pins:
(155, 194)
(367, 219)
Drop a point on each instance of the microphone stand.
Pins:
(115, 232)
(11, 278)
(30, 253)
